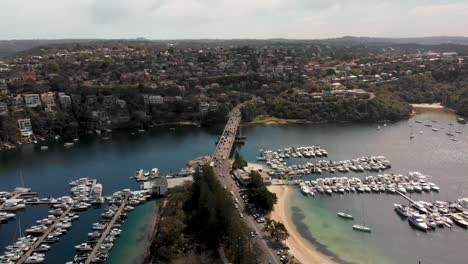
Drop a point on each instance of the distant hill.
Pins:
(420, 40)
(11, 47)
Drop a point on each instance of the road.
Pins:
(221, 167)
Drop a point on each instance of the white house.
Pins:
(155, 99)
(25, 127)
(32, 100)
(65, 100)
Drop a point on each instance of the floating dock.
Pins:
(107, 230)
(41, 239)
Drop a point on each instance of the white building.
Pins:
(25, 127)
(65, 101)
(204, 107)
(32, 100)
(156, 99)
(3, 108)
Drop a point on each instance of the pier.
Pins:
(107, 230)
(41, 239)
(411, 200)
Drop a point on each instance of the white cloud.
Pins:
(158, 19)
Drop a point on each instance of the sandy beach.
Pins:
(302, 250)
(429, 106)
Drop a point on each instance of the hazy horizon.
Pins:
(228, 19)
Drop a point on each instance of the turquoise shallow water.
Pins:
(136, 235)
(392, 239)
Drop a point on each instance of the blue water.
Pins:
(392, 240)
(111, 161)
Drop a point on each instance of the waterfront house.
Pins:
(25, 127)
(204, 107)
(157, 186)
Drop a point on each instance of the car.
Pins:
(279, 252)
(225, 187)
(241, 215)
(252, 234)
(236, 206)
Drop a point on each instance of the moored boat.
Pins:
(362, 228)
(345, 215)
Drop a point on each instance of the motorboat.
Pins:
(402, 210)
(35, 259)
(42, 248)
(83, 247)
(459, 220)
(362, 228)
(345, 215)
(417, 221)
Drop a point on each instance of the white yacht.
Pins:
(402, 210)
(459, 220)
(35, 259)
(83, 247)
(417, 221)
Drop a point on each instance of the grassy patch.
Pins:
(262, 119)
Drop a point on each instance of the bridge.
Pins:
(221, 167)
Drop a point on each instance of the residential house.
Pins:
(91, 100)
(3, 88)
(65, 101)
(3, 108)
(17, 103)
(213, 106)
(121, 103)
(48, 100)
(204, 107)
(25, 127)
(32, 100)
(156, 99)
(108, 101)
(146, 99)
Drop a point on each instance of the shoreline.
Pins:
(302, 250)
(429, 106)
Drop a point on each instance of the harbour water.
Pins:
(111, 162)
(392, 239)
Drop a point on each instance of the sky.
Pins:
(226, 19)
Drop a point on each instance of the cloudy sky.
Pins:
(175, 19)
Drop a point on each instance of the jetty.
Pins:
(107, 230)
(412, 201)
(41, 239)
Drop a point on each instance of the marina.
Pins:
(84, 193)
(115, 160)
(277, 162)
